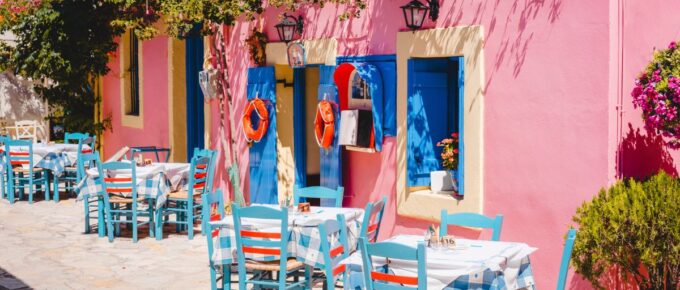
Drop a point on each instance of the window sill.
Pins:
(424, 204)
(132, 121)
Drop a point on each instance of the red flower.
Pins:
(454, 135)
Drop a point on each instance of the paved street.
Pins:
(42, 246)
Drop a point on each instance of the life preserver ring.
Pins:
(324, 124)
(260, 108)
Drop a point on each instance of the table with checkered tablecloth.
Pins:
(303, 242)
(471, 264)
(53, 157)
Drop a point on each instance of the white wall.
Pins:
(18, 101)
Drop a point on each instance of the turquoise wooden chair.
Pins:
(473, 220)
(3, 173)
(19, 177)
(118, 206)
(211, 168)
(91, 204)
(266, 243)
(373, 214)
(151, 149)
(318, 192)
(333, 255)
(72, 176)
(215, 200)
(566, 257)
(380, 280)
(184, 203)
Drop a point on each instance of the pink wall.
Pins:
(155, 78)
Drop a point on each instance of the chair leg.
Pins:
(134, 226)
(10, 189)
(152, 222)
(159, 223)
(31, 189)
(86, 204)
(46, 183)
(101, 220)
(55, 188)
(190, 221)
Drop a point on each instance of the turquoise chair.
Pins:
(318, 192)
(24, 178)
(267, 243)
(71, 176)
(380, 280)
(473, 220)
(566, 257)
(210, 200)
(3, 174)
(90, 203)
(333, 255)
(373, 214)
(117, 206)
(211, 168)
(183, 203)
(151, 149)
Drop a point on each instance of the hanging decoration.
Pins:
(324, 124)
(296, 55)
(259, 107)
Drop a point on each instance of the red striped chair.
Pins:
(373, 214)
(328, 231)
(385, 280)
(275, 244)
(23, 175)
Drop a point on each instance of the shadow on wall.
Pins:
(18, 101)
(644, 155)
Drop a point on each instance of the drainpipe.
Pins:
(619, 102)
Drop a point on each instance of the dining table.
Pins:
(303, 242)
(470, 264)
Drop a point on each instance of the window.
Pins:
(434, 92)
(133, 52)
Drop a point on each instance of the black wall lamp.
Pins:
(288, 26)
(415, 13)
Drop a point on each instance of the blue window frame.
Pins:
(435, 102)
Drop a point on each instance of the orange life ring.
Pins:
(260, 108)
(324, 124)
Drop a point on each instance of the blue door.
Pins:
(195, 119)
(434, 97)
(263, 170)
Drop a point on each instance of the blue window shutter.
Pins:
(371, 74)
(331, 166)
(299, 121)
(461, 117)
(388, 69)
(263, 167)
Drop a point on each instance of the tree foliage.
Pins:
(635, 227)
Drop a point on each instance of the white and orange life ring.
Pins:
(260, 108)
(324, 124)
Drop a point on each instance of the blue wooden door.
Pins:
(263, 170)
(195, 119)
(331, 168)
(432, 114)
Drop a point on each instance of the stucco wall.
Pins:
(19, 102)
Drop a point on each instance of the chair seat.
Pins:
(182, 194)
(27, 170)
(120, 199)
(70, 168)
(273, 265)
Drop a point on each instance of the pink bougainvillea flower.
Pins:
(672, 45)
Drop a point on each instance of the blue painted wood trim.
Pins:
(299, 137)
(366, 58)
(331, 159)
(461, 125)
(194, 103)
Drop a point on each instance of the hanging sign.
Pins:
(296, 55)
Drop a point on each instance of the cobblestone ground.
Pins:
(42, 246)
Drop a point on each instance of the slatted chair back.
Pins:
(212, 154)
(26, 130)
(373, 214)
(74, 137)
(473, 220)
(213, 203)
(213, 208)
(88, 160)
(302, 193)
(566, 257)
(16, 157)
(120, 185)
(333, 254)
(386, 281)
(151, 149)
(198, 176)
(261, 243)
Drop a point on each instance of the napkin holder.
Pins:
(304, 207)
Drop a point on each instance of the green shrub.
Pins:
(633, 227)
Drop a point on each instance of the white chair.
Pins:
(26, 130)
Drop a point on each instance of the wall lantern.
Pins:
(287, 27)
(415, 13)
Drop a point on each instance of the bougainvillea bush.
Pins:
(657, 93)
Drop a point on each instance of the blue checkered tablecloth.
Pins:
(156, 187)
(303, 242)
(55, 162)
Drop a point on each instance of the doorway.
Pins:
(195, 110)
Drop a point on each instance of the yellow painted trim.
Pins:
(318, 51)
(100, 116)
(285, 142)
(467, 41)
(177, 126)
(124, 64)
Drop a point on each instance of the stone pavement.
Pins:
(42, 246)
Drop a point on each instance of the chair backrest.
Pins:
(330, 231)
(473, 220)
(566, 257)
(261, 243)
(16, 157)
(198, 175)
(74, 137)
(88, 160)
(113, 185)
(318, 192)
(26, 130)
(212, 154)
(212, 201)
(391, 250)
(373, 214)
(151, 149)
(89, 141)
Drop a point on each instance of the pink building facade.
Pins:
(548, 124)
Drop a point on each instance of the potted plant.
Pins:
(446, 180)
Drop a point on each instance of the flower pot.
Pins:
(442, 180)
